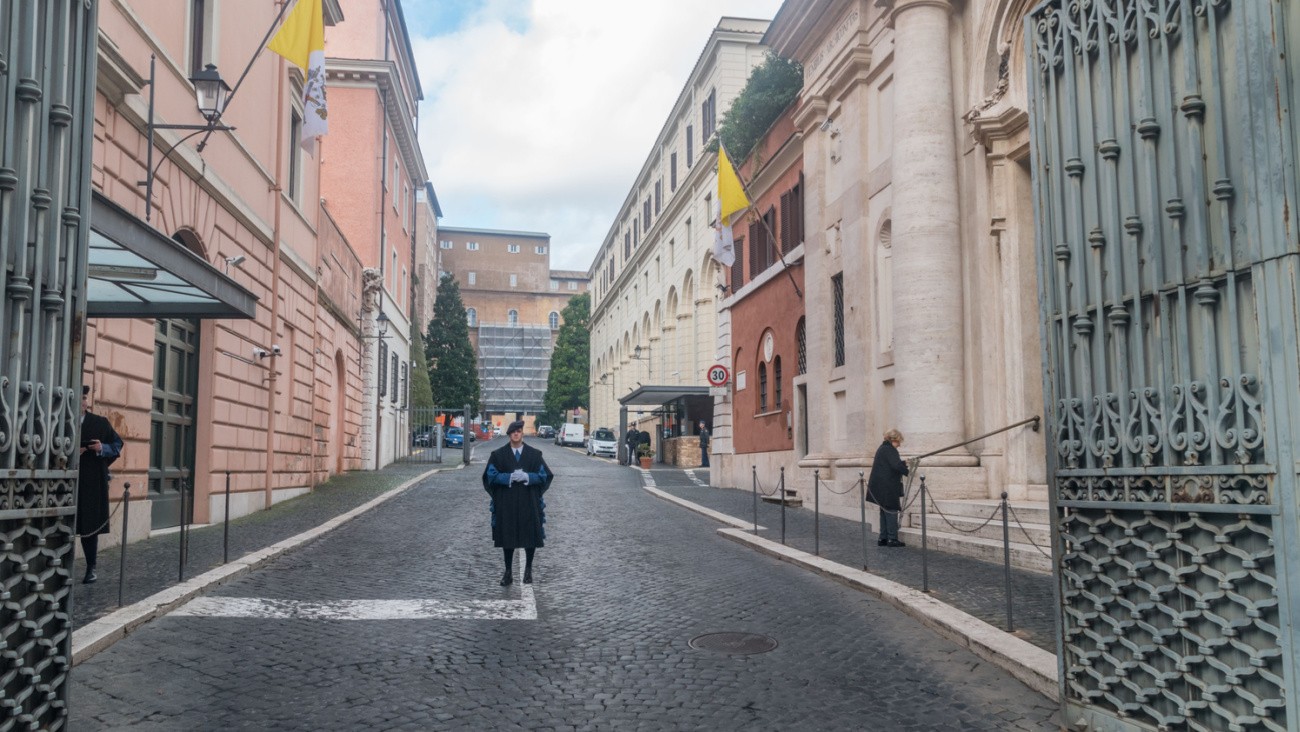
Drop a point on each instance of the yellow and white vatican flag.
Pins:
(301, 41)
(731, 201)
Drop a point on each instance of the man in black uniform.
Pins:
(516, 476)
(100, 446)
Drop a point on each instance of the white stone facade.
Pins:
(655, 286)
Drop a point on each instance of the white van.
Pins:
(571, 434)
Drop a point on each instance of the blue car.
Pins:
(455, 437)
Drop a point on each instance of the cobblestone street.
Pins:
(600, 641)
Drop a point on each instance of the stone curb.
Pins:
(1023, 660)
(104, 632)
(697, 508)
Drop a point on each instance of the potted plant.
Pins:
(646, 454)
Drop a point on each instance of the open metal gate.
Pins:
(47, 87)
(1164, 189)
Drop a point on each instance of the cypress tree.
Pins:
(567, 385)
(453, 367)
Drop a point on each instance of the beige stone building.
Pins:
(655, 285)
(428, 257)
(513, 301)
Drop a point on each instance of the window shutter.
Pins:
(738, 266)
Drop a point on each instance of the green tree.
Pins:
(421, 390)
(567, 386)
(772, 86)
(453, 368)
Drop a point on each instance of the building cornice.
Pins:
(383, 77)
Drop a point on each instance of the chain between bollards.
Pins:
(862, 506)
(781, 493)
(754, 475)
(925, 549)
(121, 557)
(1006, 559)
(225, 531)
(817, 513)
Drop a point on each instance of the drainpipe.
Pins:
(272, 361)
(383, 255)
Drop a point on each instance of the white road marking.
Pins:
(694, 479)
(268, 609)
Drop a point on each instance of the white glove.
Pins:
(519, 476)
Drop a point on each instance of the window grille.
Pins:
(762, 387)
(405, 381)
(554, 320)
(837, 306)
(383, 368)
(471, 316)
(738, 266)
(393, 396)
(801, 342)
(776, 383)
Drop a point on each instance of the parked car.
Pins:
(546, 432)
(603, 443)
(455, 437)
(422, 439)
(571, 434)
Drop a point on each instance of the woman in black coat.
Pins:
(885, 486)
(516, 476)
(100, 447)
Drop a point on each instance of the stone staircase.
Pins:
(790, 496)
(984, 543)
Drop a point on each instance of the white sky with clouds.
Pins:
(538, 114)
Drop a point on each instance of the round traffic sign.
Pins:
(719, 375)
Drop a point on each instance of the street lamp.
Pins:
(381, 321)
(211, 96)
(636, 355)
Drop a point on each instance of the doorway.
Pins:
(172, 419)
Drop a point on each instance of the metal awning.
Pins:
(134, 271)
(660, 395)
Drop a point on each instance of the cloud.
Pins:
(538, 116)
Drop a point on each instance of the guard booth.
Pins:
(1164, 159)
(677, 411)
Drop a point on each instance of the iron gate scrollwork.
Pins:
(47, 86)
(1164, 290)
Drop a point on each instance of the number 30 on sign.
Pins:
(719, 375)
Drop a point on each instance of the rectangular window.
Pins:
(472, 278)
(792, 217)
(762, 387)
(837, 309)
(672, 172)
(445, 244)
(383, 368)
(202, 25)
(295, 154)
(659, 196)
(708, 116)
(636, 232)
(514, 280)
(627, 248)
(690, 146)
(393, 395)
(645, 214)
(573, 285)
(406, 208)
(540, 249)
(472, 246)
(512, 248)
(404, 385)
(738, 266)
(555, 285)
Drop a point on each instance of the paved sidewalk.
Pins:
(153, 565)
(970, 585)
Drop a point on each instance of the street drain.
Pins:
(734, 643)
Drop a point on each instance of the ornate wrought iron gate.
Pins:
(47, 87)
(1164, 181)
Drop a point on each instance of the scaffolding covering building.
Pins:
(514, 362)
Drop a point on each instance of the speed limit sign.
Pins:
(719, 375)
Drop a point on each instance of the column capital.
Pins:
(898, 7)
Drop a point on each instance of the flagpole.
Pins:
(274, 24)
(785, 266)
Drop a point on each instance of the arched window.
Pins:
(471, 315)
(513, 317)
(762, 387)
(776, 382)
(554, 320)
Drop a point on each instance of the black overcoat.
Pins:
(92, 475)
(885, 486)
(518, 511)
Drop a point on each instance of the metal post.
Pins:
(925, 549)
(121, 556)
(225, 531)
(817, 513)
(754, 482)
(180, 535)
(464, 438)
(862, 506)
(1006, 559)
(781, 492)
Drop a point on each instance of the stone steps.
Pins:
(985, 542)
(1040, 534)
(790, 496)
(1023, 556)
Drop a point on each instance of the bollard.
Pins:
(180, 547)
(862, 506)
(780, 491)
(121, 556)
(754, 482)
(817, 513)
(225, 531)
(925, 550)
(1006, 559)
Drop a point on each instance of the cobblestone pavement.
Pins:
(154, 564)
(624, 583)
(973, 586)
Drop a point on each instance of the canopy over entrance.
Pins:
(134, 271)
(679, 409)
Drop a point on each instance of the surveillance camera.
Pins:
(275, 350)
(827, 124)
(236, 260)
(260, 353)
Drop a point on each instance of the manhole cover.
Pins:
(734, 643)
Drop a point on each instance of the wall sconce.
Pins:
(211, 96)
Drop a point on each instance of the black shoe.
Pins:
(895, 542)
(882, 542)
(506, 579)
(528, 576)
(91, 577)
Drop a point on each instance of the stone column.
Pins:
(926, 233)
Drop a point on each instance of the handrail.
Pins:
(1035, 419)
